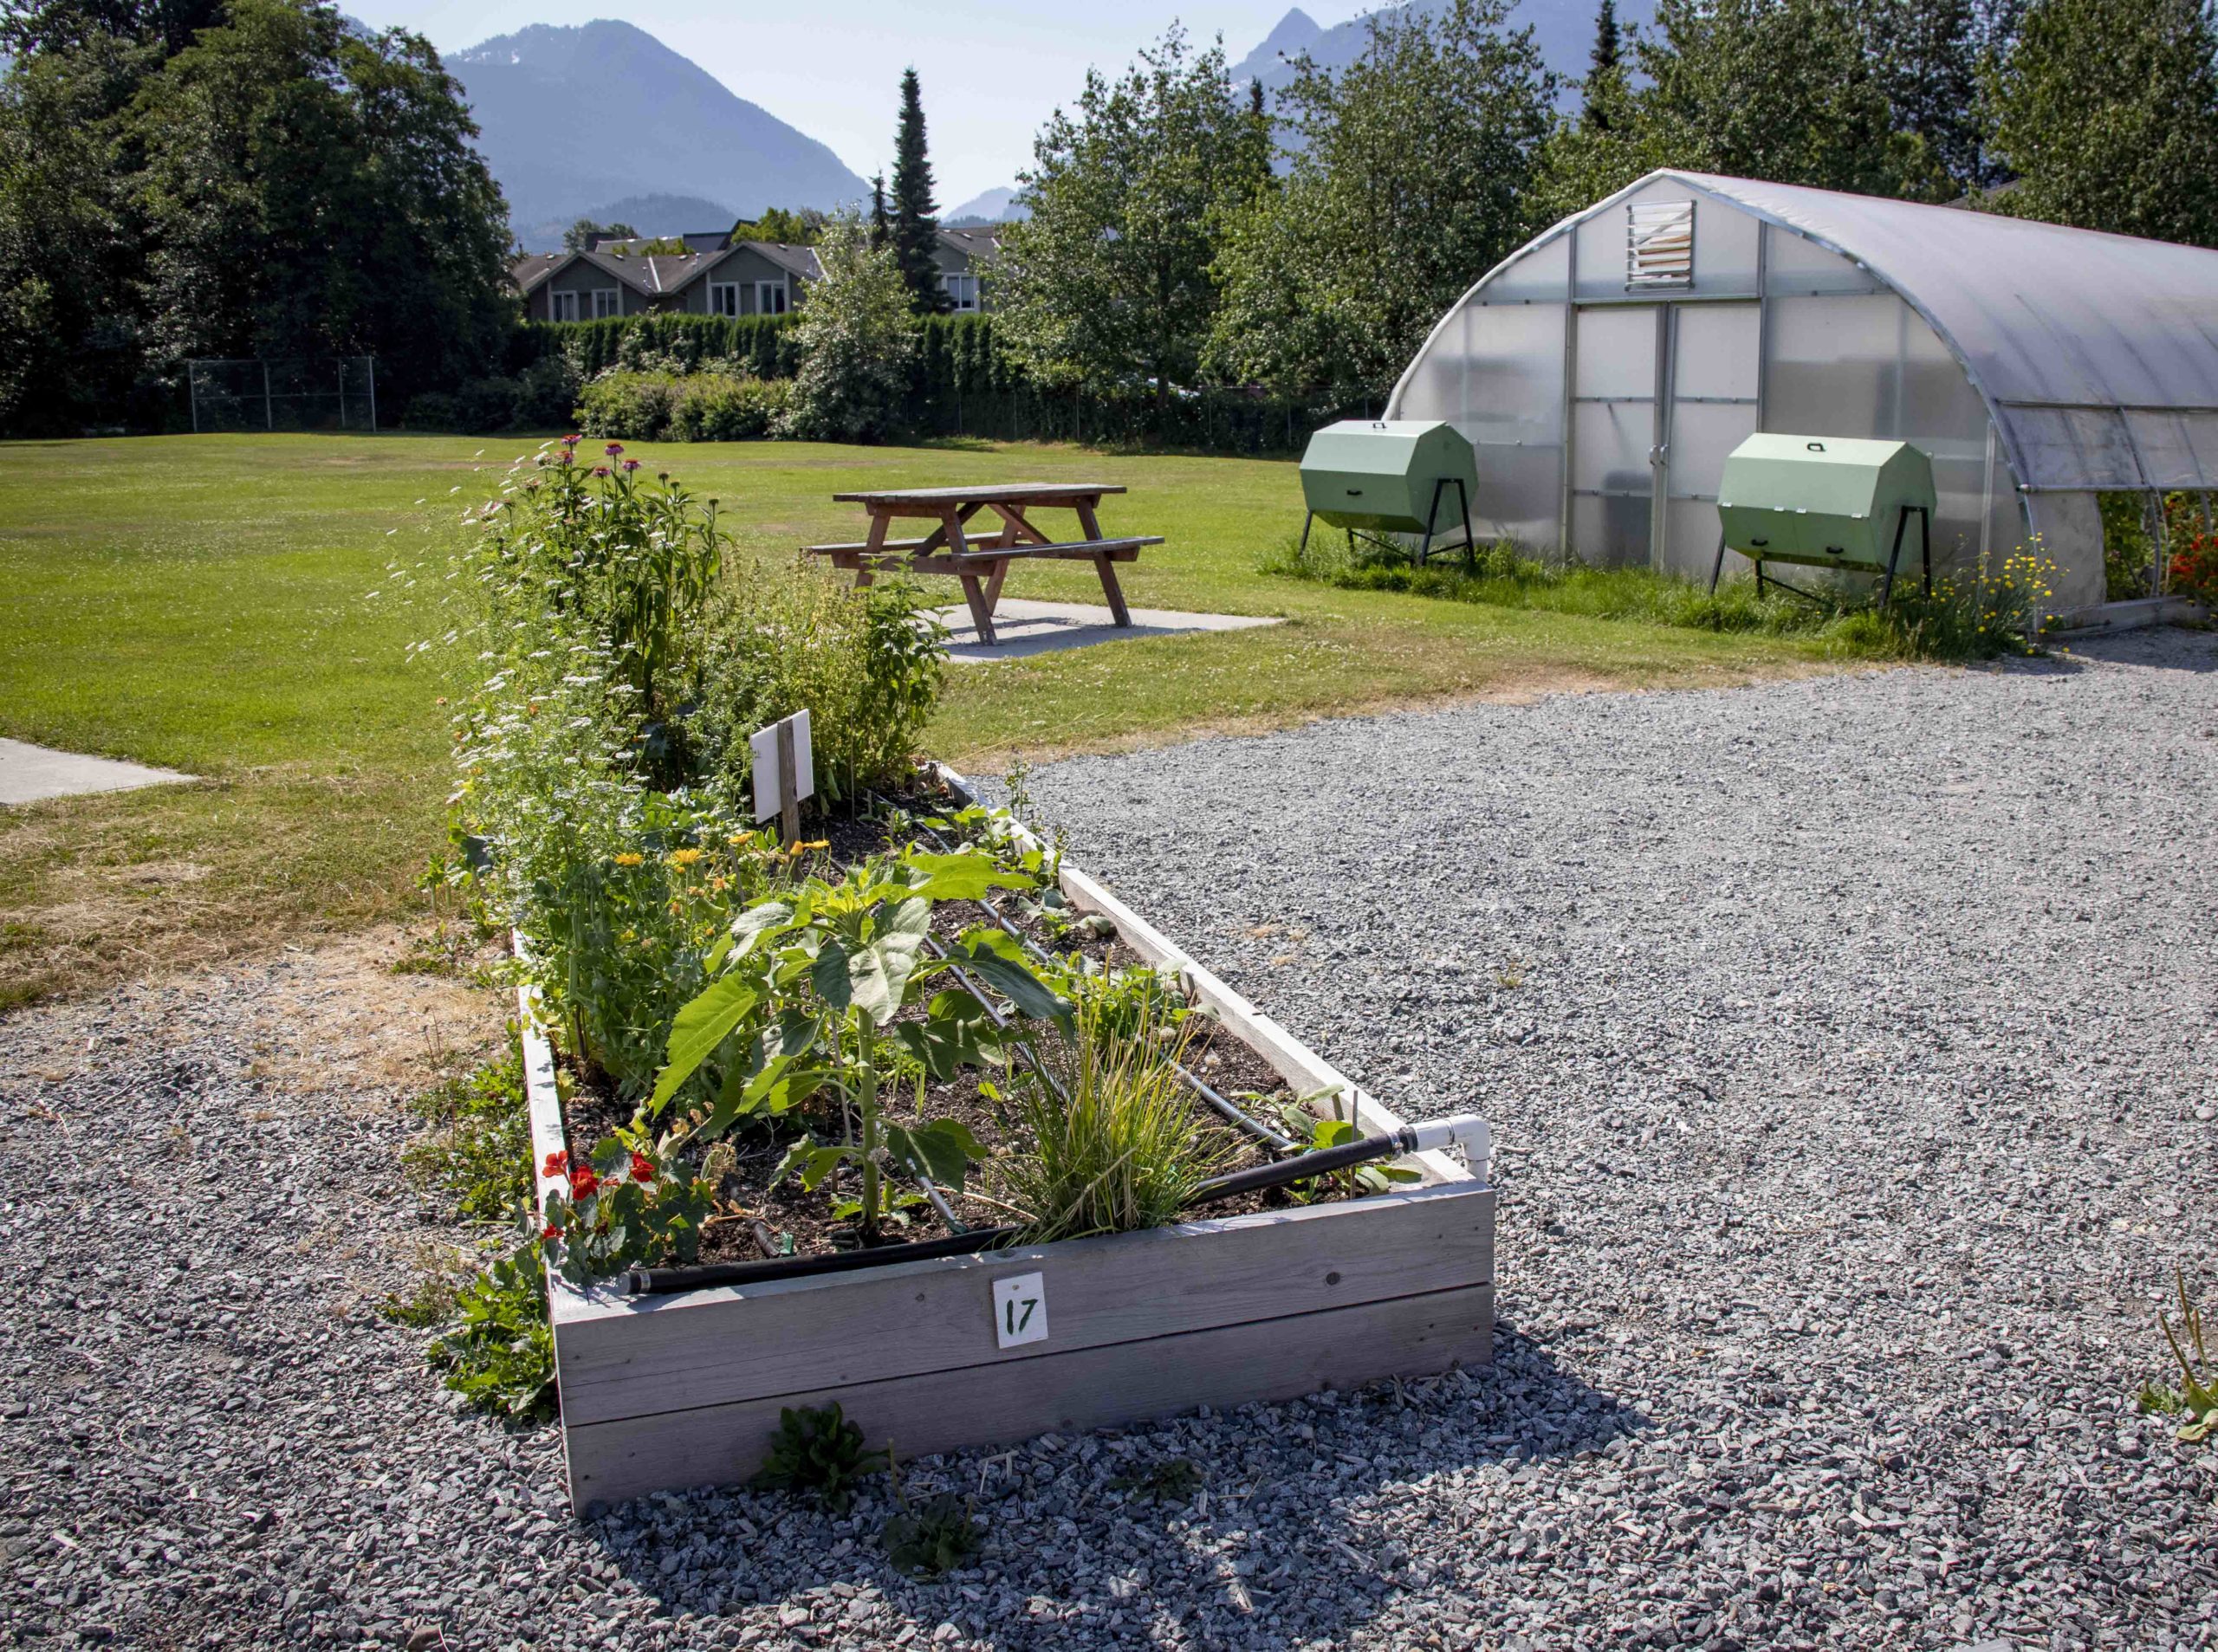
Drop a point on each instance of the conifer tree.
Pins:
(881, 226)
(915, 223)
(1604, 70)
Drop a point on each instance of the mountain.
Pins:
(1564, 30)
(573, 119)
(995, 206)
(648, 214)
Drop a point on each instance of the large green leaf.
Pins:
(829, 975)
(943, 1150)
(750, 926)
(812, 1163)
(701, 1027)
(956, 1032)
(963, 876)
(1014, 980)
(878, 971)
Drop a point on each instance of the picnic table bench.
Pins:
(982, 563)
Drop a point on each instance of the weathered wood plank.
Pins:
(1069, 1392)
(640, 1355)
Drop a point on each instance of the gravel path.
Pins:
(1850, 1044)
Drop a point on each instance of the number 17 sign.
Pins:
(1020, 1310)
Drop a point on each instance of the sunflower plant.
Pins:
(810, 991)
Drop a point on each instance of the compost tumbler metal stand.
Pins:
(1440, 486)
(1886, 580)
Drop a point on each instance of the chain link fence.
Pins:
(285, 393)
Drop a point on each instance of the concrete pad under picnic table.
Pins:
(31, 774)
(1023, 628)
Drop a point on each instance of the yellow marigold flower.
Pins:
(628, 860)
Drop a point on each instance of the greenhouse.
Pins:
(1605, 371)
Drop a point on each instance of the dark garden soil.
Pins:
(758, 1217)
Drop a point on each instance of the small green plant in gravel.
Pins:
(476, 1155)
(501, 1354)
(932, 1538)
(1175, 1479)
(2196, 1399)
(817, 1450)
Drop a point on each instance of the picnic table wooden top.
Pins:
(983, 492)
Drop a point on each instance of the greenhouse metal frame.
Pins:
(1604, 371)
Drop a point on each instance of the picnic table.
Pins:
(981, 562)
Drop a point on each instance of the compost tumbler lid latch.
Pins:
(1815, 447)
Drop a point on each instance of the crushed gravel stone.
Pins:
(1850, 1047)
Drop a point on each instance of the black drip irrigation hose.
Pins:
(1411, 1138)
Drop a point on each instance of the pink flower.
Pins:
(571, 439)
(613, 449)
(600, 470)
(630, 465)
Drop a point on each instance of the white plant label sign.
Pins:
(1020, 1310)
(764, 746)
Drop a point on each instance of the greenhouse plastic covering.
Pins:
(2098, 353)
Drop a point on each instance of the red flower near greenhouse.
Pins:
(558, 1163)
(642, 1168)
(583, 1182)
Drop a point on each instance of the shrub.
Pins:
(858, 336)
(658, 405)
(867, 664)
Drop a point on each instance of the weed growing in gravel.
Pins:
(2197, 1397)
(476, 1155)
(1175, 1479)
(817, 1450)
(933, 1539)
(501, 1355)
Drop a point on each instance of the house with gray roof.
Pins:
(716, 275)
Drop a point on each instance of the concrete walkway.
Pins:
(31, 773)
(1026, 628)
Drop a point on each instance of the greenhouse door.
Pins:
(1661, 393)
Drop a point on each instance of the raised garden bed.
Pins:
(662, 1392)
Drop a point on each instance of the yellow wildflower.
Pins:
(685, 857)
(628, 860)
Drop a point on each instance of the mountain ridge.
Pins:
(684, 134)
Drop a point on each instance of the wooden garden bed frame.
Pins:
(661, 1393)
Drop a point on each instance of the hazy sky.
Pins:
(992, 70)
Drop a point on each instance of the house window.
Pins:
(1660, 243)
(723, 298)
(769, 298)
(608, 301)
(961, 290)
(565, 307)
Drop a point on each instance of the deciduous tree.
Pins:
(857, 335)
(1108, 282)
(2107, 111)
(1407, 185)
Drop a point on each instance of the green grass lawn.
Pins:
(203, 603)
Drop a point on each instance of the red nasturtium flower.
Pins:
(558, 1163)
(642, 1169)
(583, 1182)
(551, 1233)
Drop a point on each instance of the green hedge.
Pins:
(763, 345)
(963, 385)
